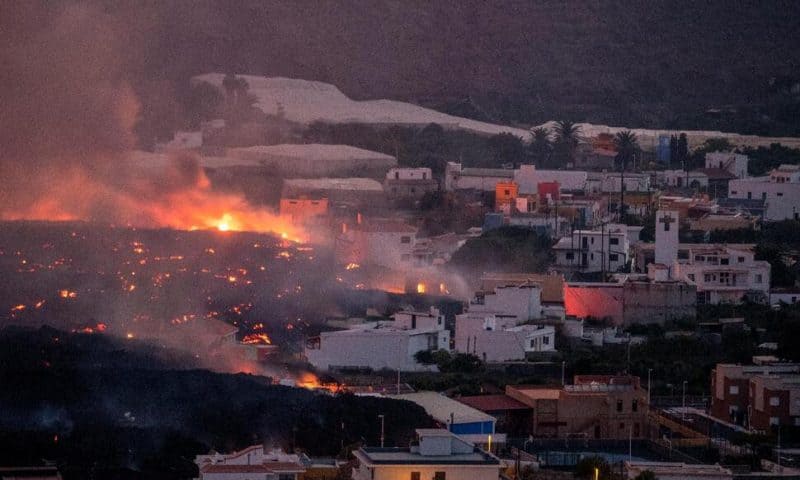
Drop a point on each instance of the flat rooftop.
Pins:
(403, 456)
(443, 408)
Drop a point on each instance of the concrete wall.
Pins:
(648, 302)
(594, 300)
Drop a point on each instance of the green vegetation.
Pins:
(450, 362)
(510, 249)
(585, 469)
(763, 159)
(776, 243)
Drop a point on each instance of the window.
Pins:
(666, 226)
(613, 257)
(286, 476)
(439, 476)
(396, 175)
(733, 390)
(415, 476)
(774, 421)
(691, 276)
(619, 405)
(759, 278)
(635, 405)
(774, 401)
(724, 261)
(763, 195)
(613, 241)
(741, 259)
(424, 175)
(592, 240)
(622, 425)
(533, 343)
(780, 194)
(749, 195)
(569, 256)
(699, 258)
(734, 192)
(405, 239)
(545, 340)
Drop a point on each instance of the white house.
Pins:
(251, 463)
(682, 178)
(733, 163)
(528, 177)
(634, 182)
(723, 273)
(604, 249)
(381, 345)
(437, 455)
(780, 191)
(494, 327)
(388, 243)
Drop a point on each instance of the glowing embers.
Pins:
(257, 339)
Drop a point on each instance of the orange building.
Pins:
(301, 209)
(505, 195)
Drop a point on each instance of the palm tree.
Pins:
(627, 146)
(541, 147)
(567, 135)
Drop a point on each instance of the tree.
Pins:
(567, 137)
(627, 146)
(506, 148)
(430, 148)
(202, 103)
(541, 148)
(673, 151)
(586, 466)
(646, 475)
(682, 153)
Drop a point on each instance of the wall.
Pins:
(452, 472)
(598, 300)
(782, 199)
(648, 302)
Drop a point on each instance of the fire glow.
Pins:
(179, 196)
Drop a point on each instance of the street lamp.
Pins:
(382, 417)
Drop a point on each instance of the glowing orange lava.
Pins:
(257, 339)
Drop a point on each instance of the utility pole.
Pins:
(683, 410)
(382, 417)
(563, 371)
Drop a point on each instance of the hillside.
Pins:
(649, 64)
(97, 405)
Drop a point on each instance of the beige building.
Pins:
(678, 471)
(437, 455)
(594, 406)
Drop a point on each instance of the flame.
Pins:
(312, 382)
(352, 266)
(421, 288)
(151, 197)
(257, 339)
